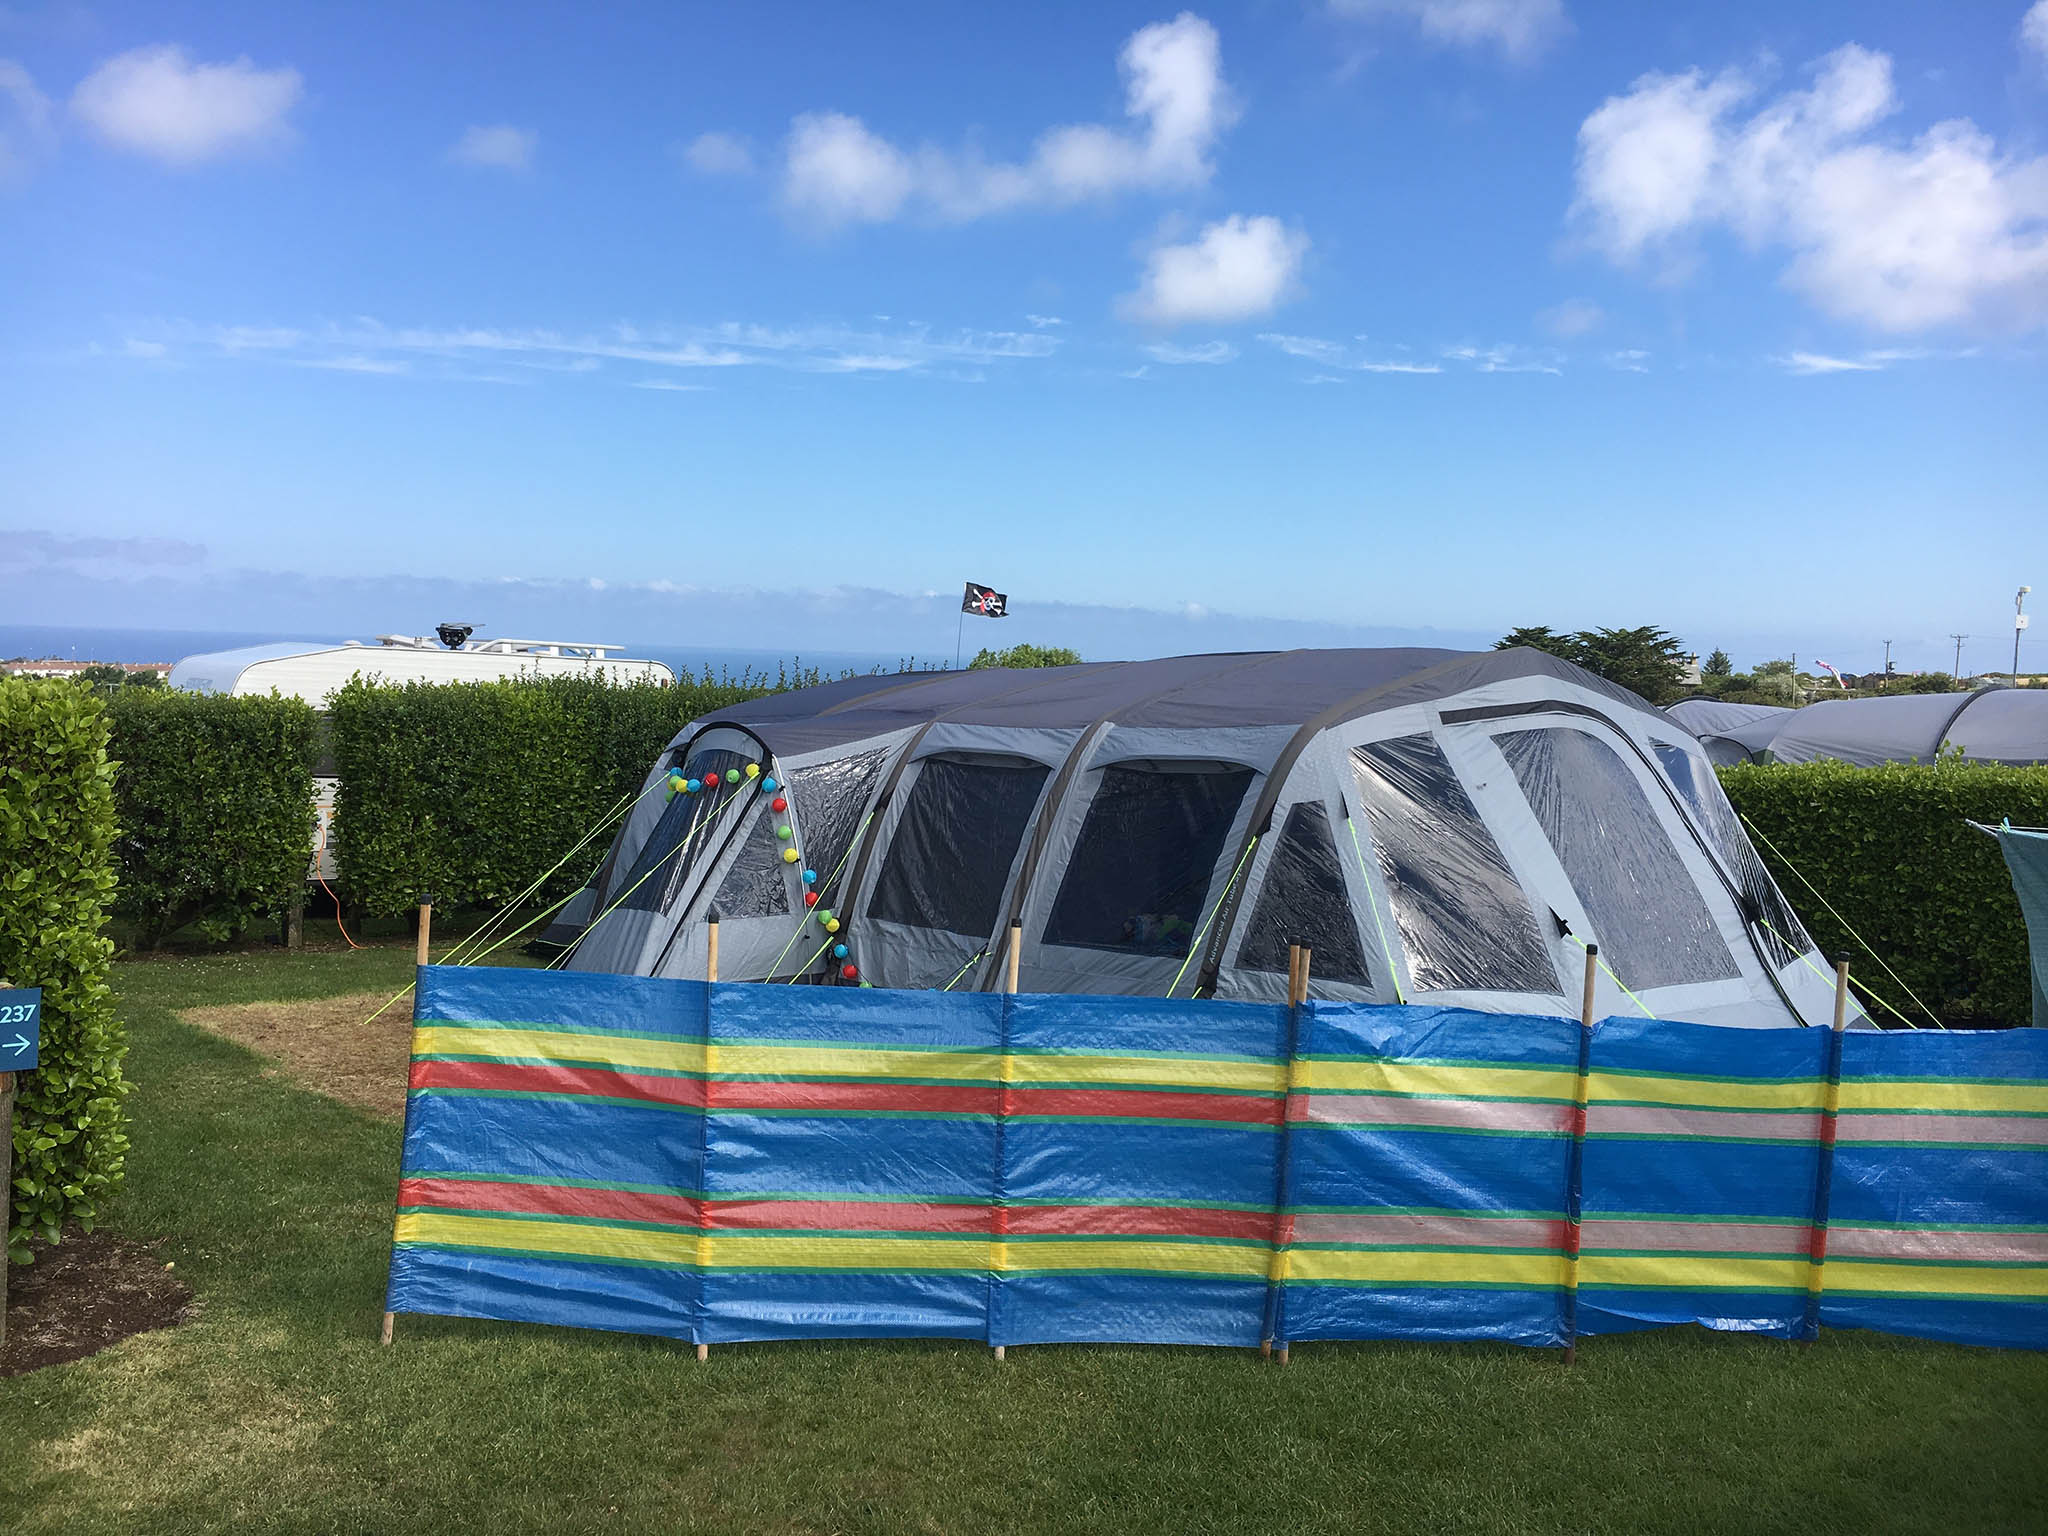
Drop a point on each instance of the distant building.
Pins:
(52, 666)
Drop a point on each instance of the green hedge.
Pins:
(56, 878)
(1889, 849)
(214, 799)
(469, 792)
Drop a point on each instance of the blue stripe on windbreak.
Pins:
(1128, 1309)
(564, 1292)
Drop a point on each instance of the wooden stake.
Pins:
(1010, 964)
(384, 1335)
(710, 975)
(426, 928)
(1575, 1160)
(1824, 1177)
(1016, 952)
(1298, 955)
(703, 1351)
(711, 949)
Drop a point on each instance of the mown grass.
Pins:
(276, 1409)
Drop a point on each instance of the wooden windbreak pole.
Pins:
(1298, 957)
(710, 975)
(426, 928)
(1824, 1173)
(1011, 961)
(1575, 1159)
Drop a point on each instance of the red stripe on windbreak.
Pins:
(843, 1096)
(846, 1215)
(1148, 1104)
(1138, 1221)
(602, 1082)
(549, 1200)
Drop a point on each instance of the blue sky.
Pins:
(1384, 315)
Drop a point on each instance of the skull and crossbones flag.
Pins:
(986, 601)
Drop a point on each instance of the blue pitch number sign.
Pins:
(21, 1025)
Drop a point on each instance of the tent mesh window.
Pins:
(1465, 925)
(1142, 863)
(1652, 924)
(830, 799)
(689, 823)
(949, 859)
(1764, 906)
(1303, 898)
(757, 885)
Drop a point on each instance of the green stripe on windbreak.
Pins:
(569, 1061)
(2004, 1298)
(1728, 1290)
(1496, 1249)
(537, 1026)
(1406, 1127)
(1922, 1077)
(611, 1261)
(560, 1098)
(1034, 1086)
(555, 1181)
(1718, 1140)
(1859, 1143)
(1413, 1210)
(2002, 1114)
(1422, 1285)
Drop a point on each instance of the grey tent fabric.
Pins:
(1996, 724)
(2026, 855)
(1440, 826)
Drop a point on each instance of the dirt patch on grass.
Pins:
(80, 1295)
(330, 1045)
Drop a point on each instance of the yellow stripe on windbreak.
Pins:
(563, 1239)
(809, 1250)
(1243, 1261)
(1704, 1093)
(1436, 1080)
(2017, 1280)
(1686, 1271)
(840, 1061)
(1148, 1071)
(552, 1045)
(1397, 1266)
(1863, 1095)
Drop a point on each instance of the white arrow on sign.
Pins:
(17, 1045)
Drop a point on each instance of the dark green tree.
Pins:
(1027, 656)
(1541, 637)
(1718, 665)
(1644, 660)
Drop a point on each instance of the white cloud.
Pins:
(1333, 354)
(455, 353)
(2034, 31)
(1629, 361)
(1946, 230)
(1503, 359)
(24, 121)
(720, 154)
(1574, 317)
(1236, 269)
(1207, 352)
(1520, 29)
(156, 101)
(668, 384)
(1045, 322)
(839, 171)
(1816, 362)
(499, 146)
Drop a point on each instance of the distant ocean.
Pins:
(170, 645)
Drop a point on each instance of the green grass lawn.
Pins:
(277, 1410)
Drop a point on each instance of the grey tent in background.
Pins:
(1439, 827)
(1997, 724)
(2026, 855)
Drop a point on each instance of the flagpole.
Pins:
(959, 626)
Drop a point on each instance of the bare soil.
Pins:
(331, 1045)
(80, 1295)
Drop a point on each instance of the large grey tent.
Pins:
(1440, 827)
(1996, 724)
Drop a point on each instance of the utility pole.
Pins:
(1885, 682)
(1957, 671)
(2019, 625)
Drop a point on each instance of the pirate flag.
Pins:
(986, 601)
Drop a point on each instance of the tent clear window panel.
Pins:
(830, 799)
(689, 825)
(1142, 863)
(1652, 924)
(1465, 925)
(756, 885)
(950, 857)
(1782, 935)
(1303, 898)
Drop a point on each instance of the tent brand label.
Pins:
(21, 1027)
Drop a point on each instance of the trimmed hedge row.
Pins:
(214, 801)
(56, 879)
(1889, 849)
(468, 793)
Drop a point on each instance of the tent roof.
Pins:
(1992, 725)
(1246, 688)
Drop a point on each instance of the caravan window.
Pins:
(1465, 925)
(1781, 933)
(757, 885)
(1652, 923)
(1303, 898)
(831, 801)
(691, 829)
(949, 860)
(1141, 866)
